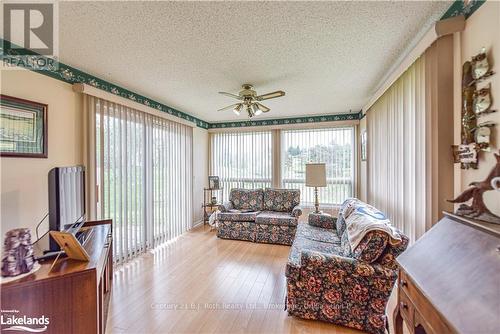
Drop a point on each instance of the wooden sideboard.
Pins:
(449, 280)
(74, 295)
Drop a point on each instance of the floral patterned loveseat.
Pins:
(328, 281)
(260, 215)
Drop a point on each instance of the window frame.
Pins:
(277, 158)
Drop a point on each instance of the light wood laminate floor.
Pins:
(201, 284)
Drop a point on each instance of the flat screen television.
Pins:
(66, 198)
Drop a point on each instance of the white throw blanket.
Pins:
(366, 218)
(212, 220)
(348, 207)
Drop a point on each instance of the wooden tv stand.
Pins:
(74, 295)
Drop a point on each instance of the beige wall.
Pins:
(24, 197)
(200, 171)
(482, 30)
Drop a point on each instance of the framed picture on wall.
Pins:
(213, 182)
(363, 145)
(23, 128)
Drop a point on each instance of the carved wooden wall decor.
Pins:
(476, 101)
(478, 209)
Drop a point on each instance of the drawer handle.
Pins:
(403, 305)
(404, 283)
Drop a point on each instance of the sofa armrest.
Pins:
(322, 220)
(314, 261)
(297, 211)
(226, 206)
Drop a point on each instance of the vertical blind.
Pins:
(397, 131)
(332, 146)
(143, 171)
(242, 160)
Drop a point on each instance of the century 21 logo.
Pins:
(29, 26)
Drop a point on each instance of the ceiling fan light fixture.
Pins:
(237, 109)
(249, 101)
(256, 110)
(250, 112)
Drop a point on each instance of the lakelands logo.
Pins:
(10, 320)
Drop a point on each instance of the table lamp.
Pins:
(316, 177)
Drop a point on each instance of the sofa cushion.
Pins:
(236, 230)
(315, 233)
(302, 244)
(237, 216)
(323, 220)
(276, 218)
(281, 200)
(274, 234)
(247, 199)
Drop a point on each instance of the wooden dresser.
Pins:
(74, 295)
(449, 280)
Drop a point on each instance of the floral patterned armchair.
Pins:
(328, 281)
(267, 216)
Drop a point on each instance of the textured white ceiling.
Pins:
(327, 56)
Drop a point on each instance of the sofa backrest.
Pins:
(281, 200)
(345, 209)
(247, 199)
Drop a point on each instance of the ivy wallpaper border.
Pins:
(71, 75)
(286, 121)
(459, 7)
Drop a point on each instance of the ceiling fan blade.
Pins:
(263, 107)
(232, 106)
(271, 95)
(234, 96)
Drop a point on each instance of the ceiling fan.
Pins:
(250, 101)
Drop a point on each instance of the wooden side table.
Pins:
(208, 206)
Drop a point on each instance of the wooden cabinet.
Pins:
(74, 295)
(448, 280)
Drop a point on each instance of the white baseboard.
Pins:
(196, 224)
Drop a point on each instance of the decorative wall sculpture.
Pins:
(478, 209)
(476, 102)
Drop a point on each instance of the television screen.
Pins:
(66, 197)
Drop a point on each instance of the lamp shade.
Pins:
(316, 175)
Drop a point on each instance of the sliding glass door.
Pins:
(143, 176)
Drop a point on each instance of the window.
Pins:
(144, 176)
(334, 147)
(242, 160)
